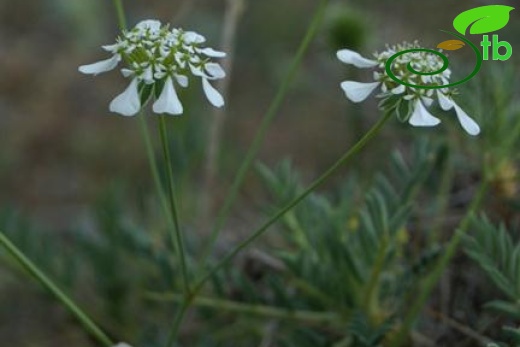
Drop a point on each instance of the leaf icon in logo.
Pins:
(451, 45)
(482, 20)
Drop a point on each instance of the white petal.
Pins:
(111, 48)
(197, 71)
(400, 89)
(193, 37)
(182, 80)
(210, 52)
(350, 57)
(212, 94)
(127, 72)
(122, 344)
(466, 121)
(427, 101)
(127, 103)
(152, 24)
(445, 102)
(168, 101)
(148, 75)
(357, 91)
(100, 66)
(215, 70)
(421, 117)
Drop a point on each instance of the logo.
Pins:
(480, 21)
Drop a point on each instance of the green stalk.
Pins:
(121, 18)
(310, 317)
(261, 230)
(155, 173)
(260, 135)
(176, 232)
(34, 271)
(429, 283)
(318, 182)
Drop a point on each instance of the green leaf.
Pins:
(512, 333)
(509, 309)
(403, 110)
(482, 20)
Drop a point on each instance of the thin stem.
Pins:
(176, 233)
(475, 335)
(259, 310)
(430, 282)
(33, 270)
(121, 18)
(318, 182)
(260, 135)
(155, 172)
(260, 231)
(177, 321)
(338, 164)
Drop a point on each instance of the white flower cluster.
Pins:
(417, 98)
(156, 58)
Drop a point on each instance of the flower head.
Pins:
(156, 59)
(411, 99)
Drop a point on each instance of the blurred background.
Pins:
(73, 175)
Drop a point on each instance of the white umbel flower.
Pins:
(158, 57)
(122, 344)
(395, 94)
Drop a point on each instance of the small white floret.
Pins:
(151, 24)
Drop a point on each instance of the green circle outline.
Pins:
(388, 65)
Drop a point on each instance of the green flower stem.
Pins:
(260, 135)
(121, 18)
(177, 321)
(261, 230)
(155, 173)
(429, 283)
(33, 270)
(176, 232)
(258, 310)
(318, 182)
